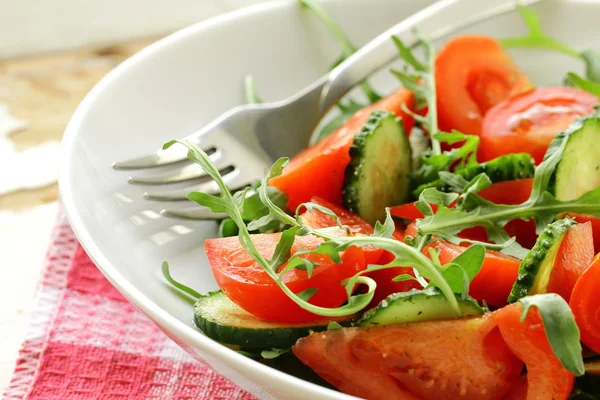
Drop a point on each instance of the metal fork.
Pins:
(246, 140)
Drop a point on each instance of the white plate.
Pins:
(185, 80)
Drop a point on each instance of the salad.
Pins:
(439, 242)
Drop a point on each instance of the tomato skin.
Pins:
(496, 277)
(547, 378)
(316, 219)
(473, 73)
(319, 169)
(469, 360)
(585, 304)
(330, 356)
(251, 288)
(574, 256)
(528, 122)
(582, 219)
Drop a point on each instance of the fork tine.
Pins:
(209, 187)
(156, 159)
(186, 173)
(198, 213)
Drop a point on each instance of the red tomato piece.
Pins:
(496, 277)
(473, 73)
(441, 360)
(547, 378)
(574, 256)
(528, 122)
(319, 170)
(251, 288)
(317, 220)
(585, 304)
(582, 219)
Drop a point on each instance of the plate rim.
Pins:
(153, 310)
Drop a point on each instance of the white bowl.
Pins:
(178, 84)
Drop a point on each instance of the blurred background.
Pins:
(51, 54)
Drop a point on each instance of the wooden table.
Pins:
(45, 90)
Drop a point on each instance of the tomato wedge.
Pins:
(442, 360)
(547, 378)
(496, 277)
(251, 288)
(574, 256)
(330, 356)
(528, 122)
(585, 304)
(473, 73)
(319, 170)
(317, 220)
(582, 219)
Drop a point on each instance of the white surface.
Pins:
(23, 243)
(32, 168)
(33, 26)
(184, 81)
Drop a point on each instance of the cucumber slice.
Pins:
(417, 305)
(504, 168)
(222, 320)
(535, 268)
(579, 169)
(378, 174)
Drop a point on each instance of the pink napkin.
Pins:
(85, 341)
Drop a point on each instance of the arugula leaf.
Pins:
(183, 288)
(584, 84)
(538, 39)
(250, 91)
(333, 244)
(541, 205)
(273, 353)
(460, 272)
(333, 326)
(419, 78)
(560, 327)
(387, 229)
(403, 277)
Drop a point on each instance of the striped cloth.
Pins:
(86, 342)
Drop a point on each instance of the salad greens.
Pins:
(261, 208)
(538, 39)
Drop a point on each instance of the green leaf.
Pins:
(407, 55)
(183, 288)
(216, 204)
(250, 91)
(283, 249)
(305, 295)
(333, 326)
(387, 229)
(314, 206)
(471, 260)
(536, 38)
(584, 84)
(403, 277)
(273, 353)
(301, 264)
(434, 196)
(591, 58)
(456, 276)
(228, 228)
(419, 77)
(561, 330)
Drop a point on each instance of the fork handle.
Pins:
(435, 21)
